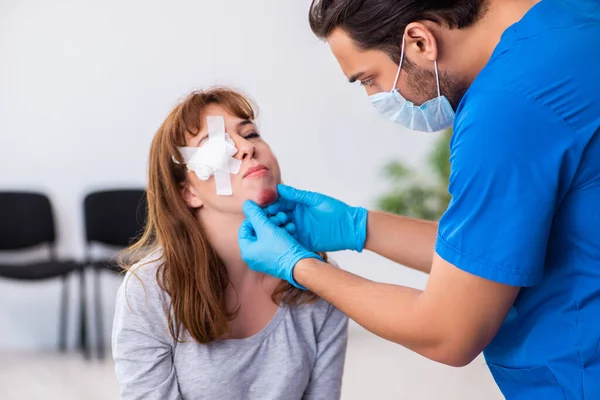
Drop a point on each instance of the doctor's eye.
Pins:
(368, 82)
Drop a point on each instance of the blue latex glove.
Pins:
(283, 220)
(267, 248)
(322, 224)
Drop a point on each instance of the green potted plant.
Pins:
(414, 196)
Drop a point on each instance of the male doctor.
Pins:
(514, 262)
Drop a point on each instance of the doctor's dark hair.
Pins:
(380, 24)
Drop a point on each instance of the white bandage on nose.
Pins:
(214, 157)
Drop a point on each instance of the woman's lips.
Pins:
(256, 172)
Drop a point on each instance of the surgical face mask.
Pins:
(432, 116)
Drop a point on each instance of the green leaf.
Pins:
(439, 159)
(425, 200)
(395, 170)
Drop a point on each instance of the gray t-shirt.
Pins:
(300, 354)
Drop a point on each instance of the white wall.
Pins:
(84, 86)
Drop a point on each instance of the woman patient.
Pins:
(192, 321)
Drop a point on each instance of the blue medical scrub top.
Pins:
(525, 208)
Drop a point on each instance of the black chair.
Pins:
(113, 219)
(26, 223)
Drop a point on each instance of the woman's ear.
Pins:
(190, 196)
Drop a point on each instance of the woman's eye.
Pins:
(368, 82)
(202, 141)
(252, 135)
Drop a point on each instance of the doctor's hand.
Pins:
(268, 248)
(322, 224)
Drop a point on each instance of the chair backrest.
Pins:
(26, 220)
(115, 217)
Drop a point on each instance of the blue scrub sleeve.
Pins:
(509, 158)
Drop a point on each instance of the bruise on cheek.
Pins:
(266, 197)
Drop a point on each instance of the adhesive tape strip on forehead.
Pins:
(215, 157)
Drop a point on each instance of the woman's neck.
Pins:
(222, 232)
(249, 292)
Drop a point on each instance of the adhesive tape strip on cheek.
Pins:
(222, 145)
(214, 158)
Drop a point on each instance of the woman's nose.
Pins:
(245, 148)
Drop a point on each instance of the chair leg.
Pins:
(98, 312)
(83, 342)
(64, 311)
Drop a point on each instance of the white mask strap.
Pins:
(437, 78)
(399, 66)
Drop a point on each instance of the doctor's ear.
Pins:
(420, 44)
(190, 196)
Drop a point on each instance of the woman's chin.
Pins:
(265, 197)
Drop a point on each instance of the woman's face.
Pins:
(258, 176)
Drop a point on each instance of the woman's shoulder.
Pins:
(142, 308)
(319, 311)
(140, 284)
